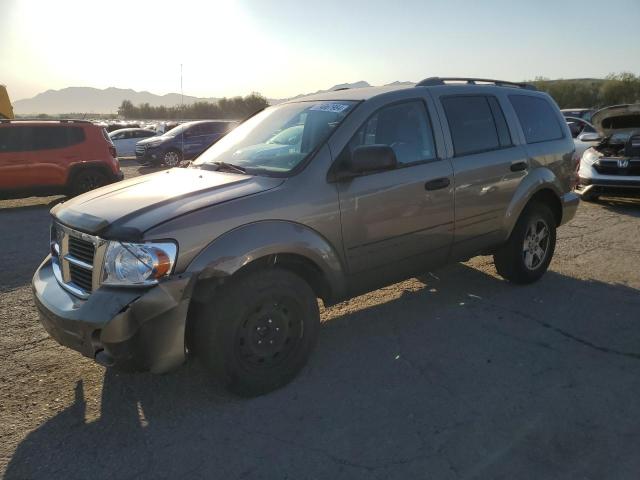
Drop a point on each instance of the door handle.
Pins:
(437, 184)
(519, 166)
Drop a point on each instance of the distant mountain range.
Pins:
(88, 100)
(94, 100)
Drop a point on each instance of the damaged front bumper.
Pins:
(129, 328)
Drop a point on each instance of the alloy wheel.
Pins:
(171, 159)
(536, 244)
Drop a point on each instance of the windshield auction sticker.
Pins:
(330, 107)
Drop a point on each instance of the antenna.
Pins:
(182, 109)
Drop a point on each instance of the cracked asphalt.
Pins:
(452, 375)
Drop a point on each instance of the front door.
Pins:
(398, 221)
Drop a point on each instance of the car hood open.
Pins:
(125, 210)
(617, 119)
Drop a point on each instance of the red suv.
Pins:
(55, 157)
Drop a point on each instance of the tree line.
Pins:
(585, 92)
(236, 108)
(591, 92)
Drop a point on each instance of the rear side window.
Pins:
(11, 139)
(476, 123)
(45, 138)
(537, 118)
(29, 138)
(405, 127)
(217, 127)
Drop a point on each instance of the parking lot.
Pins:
(455, 374)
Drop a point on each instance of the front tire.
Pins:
(258, 331)
(528, 252)
(172, 158)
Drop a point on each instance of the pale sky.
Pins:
(285, 47)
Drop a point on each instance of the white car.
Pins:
(612, 165)
(125, 140)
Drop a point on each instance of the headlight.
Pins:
(138, 264)
(152, 144)
(590, 156)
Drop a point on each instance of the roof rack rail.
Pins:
(340, 89)
(431, 81)
(61, 120)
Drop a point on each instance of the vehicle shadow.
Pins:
(626, 206)
(456, 374)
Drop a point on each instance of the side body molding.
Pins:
(538, 179)
(233, 250)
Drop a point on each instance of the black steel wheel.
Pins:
(258, 331)
(270, 333)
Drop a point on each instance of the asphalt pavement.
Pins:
(452, 375)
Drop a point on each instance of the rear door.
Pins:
(488, 167)
(53, 149)
(195, 140)
(14, 163)
(397, 221)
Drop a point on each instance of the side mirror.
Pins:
(371, 158)
(589, 137)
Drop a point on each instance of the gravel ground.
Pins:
(455, 374)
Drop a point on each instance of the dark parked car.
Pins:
(185, 141)
(225, 259)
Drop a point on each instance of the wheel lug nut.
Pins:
(271, 341)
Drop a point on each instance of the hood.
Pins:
(125, 210)
(154, 139)
(617, 119)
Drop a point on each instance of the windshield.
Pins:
(177, 130)
(278, 138)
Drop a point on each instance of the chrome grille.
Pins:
(613, 167)
(77, 259)
(140, 149)
(81, 277)
(82, 250)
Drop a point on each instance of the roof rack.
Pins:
(61, 120)
(431, 81)
(340, 89)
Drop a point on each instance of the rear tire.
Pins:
(258, 331)
(88, 179)
(528, 252)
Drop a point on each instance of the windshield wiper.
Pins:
(231, 167)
